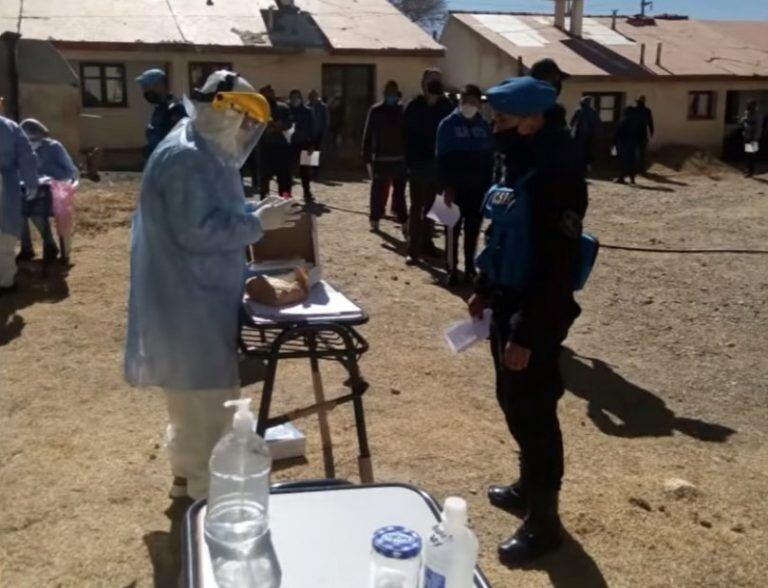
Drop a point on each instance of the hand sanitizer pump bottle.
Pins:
(236, 521)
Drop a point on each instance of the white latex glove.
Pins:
(278, 213)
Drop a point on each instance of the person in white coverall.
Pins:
(188, 264)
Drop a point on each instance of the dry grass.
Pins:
(668, 358)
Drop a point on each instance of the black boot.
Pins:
(25, 255)
(540, 533)
(50, 253)
(510, 497)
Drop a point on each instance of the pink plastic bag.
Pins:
(64, 211)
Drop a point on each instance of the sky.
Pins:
(712, 9)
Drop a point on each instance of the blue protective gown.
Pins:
(17, 163)
(54, 161)
(187, 267)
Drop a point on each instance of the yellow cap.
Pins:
(249, 103)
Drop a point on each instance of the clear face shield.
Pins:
(232, 124)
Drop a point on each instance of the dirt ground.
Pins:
(666, 371)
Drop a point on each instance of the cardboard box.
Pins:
(278, 251)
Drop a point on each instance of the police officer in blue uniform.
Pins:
(168, 110)
(529, 270)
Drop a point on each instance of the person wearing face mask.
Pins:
(465, 159)
(422, 117)
(585, 125)
(188, 268)
(513, 151)
(384, 154)
(322, 122)
(274, 150)
(17, 164)
(527, 277)
(167, 112)
(646, 129)
(53, 162)
(304, 138)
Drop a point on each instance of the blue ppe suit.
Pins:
(54, 161)
(187, 267)
(17, 164)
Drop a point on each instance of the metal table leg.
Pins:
(322, 414)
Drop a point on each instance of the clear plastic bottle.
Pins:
(451, 552)
(236, 521)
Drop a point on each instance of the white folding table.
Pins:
(322, 533)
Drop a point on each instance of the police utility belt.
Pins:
(507, 256)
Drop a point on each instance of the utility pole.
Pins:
(645, 4)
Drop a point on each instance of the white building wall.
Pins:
(122, 129)
(470, 58)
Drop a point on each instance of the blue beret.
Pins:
(151, 76)
(523, 96)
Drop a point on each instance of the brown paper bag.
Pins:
(279, 290)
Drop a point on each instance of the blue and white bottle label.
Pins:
(433, 580)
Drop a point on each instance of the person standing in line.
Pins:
(513, 150)
(627, 144)
(322, 124)
(422, 117)
(526, 279)
(53, 162)
(275, 152)
(168, 110)
(304, 139)
(188, 241)
(645, 131)
(384, 154)
(751, 133)
(465, 159)
(585, 124)
(17, 164)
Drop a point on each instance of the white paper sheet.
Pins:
(443, 214)
(324, 301)
(311, 159)
(462, 335)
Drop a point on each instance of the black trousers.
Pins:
(251, 167)
(305, 171)
(470, 201)
(424, 184)
(751, 159)
(529, 400)
(275, 161)
(386, 174)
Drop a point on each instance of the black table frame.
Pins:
(190, 577)
(314, 339)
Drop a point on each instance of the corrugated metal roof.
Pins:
(688, 47)
(348, 25)
(367, 24)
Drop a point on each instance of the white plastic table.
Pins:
(322, 534)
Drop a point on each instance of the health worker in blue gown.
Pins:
(188, 265)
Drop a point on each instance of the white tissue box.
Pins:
(286, 442)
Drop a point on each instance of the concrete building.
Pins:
(697, 75)
(345, 50)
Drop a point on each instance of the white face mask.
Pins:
(469, 111)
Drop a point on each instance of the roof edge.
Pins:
(393, 52)
(242, 49)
